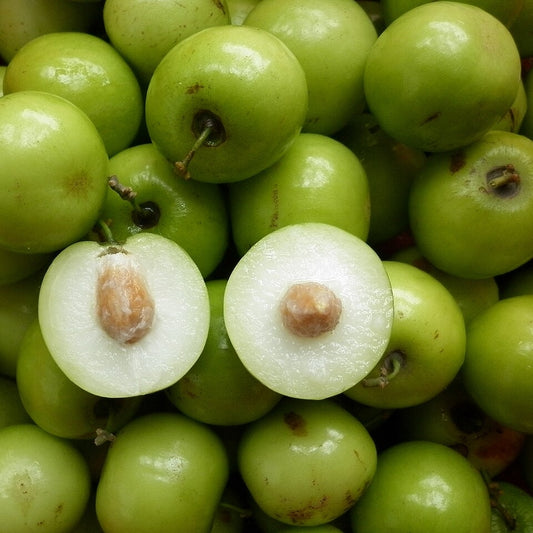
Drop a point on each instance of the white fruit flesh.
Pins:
(124, 322)
(357, 328)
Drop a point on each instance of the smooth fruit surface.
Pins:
(53, 173)
(164, 472)
(497, 371)
(307, 462)
(44, 481)
(422, 486)
(441, 75)
(245, 80)
(318, 179)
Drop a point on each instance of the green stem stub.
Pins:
(390, 368)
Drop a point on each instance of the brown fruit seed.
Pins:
(124, 305)
(310, 309)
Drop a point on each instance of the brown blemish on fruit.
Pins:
(77, 185)
(274, 219)
(193, 89)
(296, 423)
(124, 305)
(431, 118)
(457, 161)
(220, 6)
(303, 515)
(310, 309)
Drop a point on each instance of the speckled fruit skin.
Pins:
(441, 75)
(306, 462)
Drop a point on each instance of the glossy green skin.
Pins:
(513, 120)
(307, 461)
(331, 41)
(428, 329)
(55, 403)
(462, 225)
(455, 74)
(24, 20)
(422, 486)
(502, 388)
(453, 418)
(54, 169)
(11, 409)
(44, 481)
(219, 389)
(472, 295)
(507, 12)
(165, 473)
(192, 213)
(143, 31)
(518, 503)
(246, 77)
(15, 266)
(90, 73)
(317, 180)
(390, 167)
(18, 309)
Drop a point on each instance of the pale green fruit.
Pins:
(239, 9)
(331, 41)
(306, 462)
(23, 20)
(441, 75)
(241, 82)
(471, 210)
(426, 347)
(164, 472)
(318, 179)
(143, 31)
(53, 174)
(87, 71)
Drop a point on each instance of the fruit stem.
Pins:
(494, 493)
(103, 436)
(105, 233)
(142, 215)
(508, 175)
(182, 167)
(390, 368)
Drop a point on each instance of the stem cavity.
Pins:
(390, 368)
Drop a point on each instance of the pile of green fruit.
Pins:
(266, 266)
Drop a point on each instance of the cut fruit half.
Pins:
(124, 320)
(308, 310)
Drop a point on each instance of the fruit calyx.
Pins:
(124, 305)
(391, 365)
(504, 180)
(310, 309)
(209, 131)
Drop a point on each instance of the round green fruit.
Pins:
(226, 103)
(318, 179)
(164, 472)
(498, 366)
(87, 71)
(471, 209)
(422, 486)
(143, 31)
(331, 41)
(189, 212)
(53, 174)
(44, 481)
(306, 462)
(441, 75)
